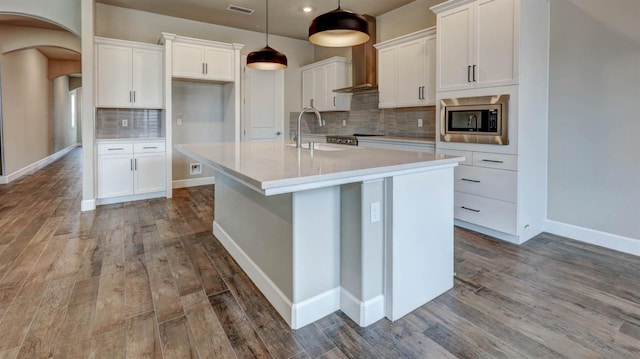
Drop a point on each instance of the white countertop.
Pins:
(272, 167)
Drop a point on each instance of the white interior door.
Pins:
(263, 110)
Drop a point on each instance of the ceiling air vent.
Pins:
(240, 9)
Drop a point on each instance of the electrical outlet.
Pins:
(375, 212)
(344, 123)
(195, 168)
(419, 122)
(125, 122)
(179, 122)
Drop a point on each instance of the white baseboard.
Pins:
(363, 313)
(592, 236)
(88, 205)
(296, 315)
(274, 295)
(312, 309)
(36, 165)
(134, 197)
(193, 182)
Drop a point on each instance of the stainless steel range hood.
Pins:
(363, 63)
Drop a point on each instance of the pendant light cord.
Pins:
(267, 31)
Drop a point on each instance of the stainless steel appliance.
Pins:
(483, 119)
(343, 139)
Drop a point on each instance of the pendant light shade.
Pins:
(339, 28)
(267, 58)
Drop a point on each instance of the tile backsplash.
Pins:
(140, 123)
(365, 117)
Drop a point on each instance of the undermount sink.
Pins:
(319, 147)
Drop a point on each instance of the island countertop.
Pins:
(274, 167)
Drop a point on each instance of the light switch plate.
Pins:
(125, 122)
(375, 212)
(419, 122)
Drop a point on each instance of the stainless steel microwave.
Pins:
(482, 119)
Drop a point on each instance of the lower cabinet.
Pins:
(130, 168)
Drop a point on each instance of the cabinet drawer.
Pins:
(495, 160)
(486, 212)
(468, 155)
(115, 148)
(487, 182)
(147, 147)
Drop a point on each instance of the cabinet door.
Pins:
(331, 73)
(495, 43)
(429, 90)
(320, 88)
(115, 176)
(455, 48)
(148, 79)
(188, 61)
(113, 88)
(387, 78)
(411, 59)
(219, 64)
(149, 174)
(308, 87)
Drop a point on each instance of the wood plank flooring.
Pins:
(147, 279)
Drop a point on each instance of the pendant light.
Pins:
(339, 28)
(267, 58)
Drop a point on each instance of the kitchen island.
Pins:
(368, 231)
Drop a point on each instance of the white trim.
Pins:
(312, 309)
(592, 236)
(488, 231)
(420, 34)
(274, 295)
(88, 205)
(36, 165)
(363, 313)
(135, 197)
(193, 182)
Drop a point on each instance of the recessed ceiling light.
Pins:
(307, 9)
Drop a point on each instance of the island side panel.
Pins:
(419, 243)
(257, 231)
(316, 254)
(362, 252)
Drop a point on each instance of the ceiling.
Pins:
(286, 17)
(17, 20)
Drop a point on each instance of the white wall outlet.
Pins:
(125, 122)
(179, 122)
(375, 212)
(419, 122)
(344, 123)
(195, 168)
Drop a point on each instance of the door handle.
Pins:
(278, 133)
(470, 209)
(470, 180)
(474, 73)
(135, 164)
(493, 161)
(469, 73)
(131, 163)
(134, 96)
(419, 93)
(334, 101)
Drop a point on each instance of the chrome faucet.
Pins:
(299, 131)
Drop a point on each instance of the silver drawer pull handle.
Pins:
(470, 209)
(493, 161)
(470, 180)
(149, 148)
(115, 149)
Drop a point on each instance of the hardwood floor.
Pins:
(147, 279)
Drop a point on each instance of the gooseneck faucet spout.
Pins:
(298, 130)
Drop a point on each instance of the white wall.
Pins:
(594, 122)
(65, 13)
(26, 96)
(126, 24)
(60, 120)
(406, 19)
(200, 106)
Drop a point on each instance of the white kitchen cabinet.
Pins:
(129, 74)
(319, 79)
(130, 168)
(406, 70)
(477, 44)
(203, 62)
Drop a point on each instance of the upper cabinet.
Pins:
(198, 60)
(129, 74)
(319, 79)
(477, 44)
(406, 70)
